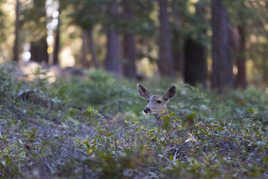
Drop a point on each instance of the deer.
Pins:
(157, 104)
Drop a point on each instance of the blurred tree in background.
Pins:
(222, 69)
(196, 40)
(86, 15)
(34, 21)
(196, 43)
(129, 40)
(165, 62)
(17, 29)
(112, 61)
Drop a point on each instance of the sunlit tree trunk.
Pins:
(112, 63)
(165, 62)
(241, 79)
(57, 41)
(129, 44)
(222, 69)
(17, 33)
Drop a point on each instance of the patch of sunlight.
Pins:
(154, 14)
(209, 65)
(266, 27)
(50, 39)
(263, 3)
(253, 38)
(2, 60)
(235, 70)
(66, 57)
(194, 1)
(49, 50)
(191, 9)
(9, 7)
(51, 76)
(209, 32)
(30, 71)
(154, 52)
(145, 67)
(250, 69)
(262, 39)
(26, 56)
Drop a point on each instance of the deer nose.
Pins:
(147, 110)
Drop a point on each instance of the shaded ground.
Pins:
(94, 129)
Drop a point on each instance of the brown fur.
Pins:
(157, 104)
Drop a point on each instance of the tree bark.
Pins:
(241, 79)
(177, 40)
(195, 68)
(57, 41)
(39, 51)
(129, 44)
(195, 54)
(112, 63)
(129, 55)
(17, 32)
(165, 62)
(84, 60)
(39, 46)
(177, 52)
(92, 48)
(222, 69)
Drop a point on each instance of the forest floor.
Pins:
(94, 128)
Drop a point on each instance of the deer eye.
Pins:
(159, 102)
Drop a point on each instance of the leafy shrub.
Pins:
(93, 128)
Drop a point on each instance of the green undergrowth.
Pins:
(94, 128)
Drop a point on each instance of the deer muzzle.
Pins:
(147, 110)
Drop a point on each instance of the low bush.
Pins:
(94, 128)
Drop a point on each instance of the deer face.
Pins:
(157, 104)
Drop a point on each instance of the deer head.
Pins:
(157, 104)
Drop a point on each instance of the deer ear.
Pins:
(170, 93)
(143, 91)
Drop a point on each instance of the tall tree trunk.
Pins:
(112, 63)
(195, 54)
(57, 41)
(222, 69)
(17, 33)
(165, 62)
(195, 68)
(129, 55)
(177, 40)
(39, 51)
(129, 44)
(84, 60)
(92, 48)
(241, 79)
(177, 52)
